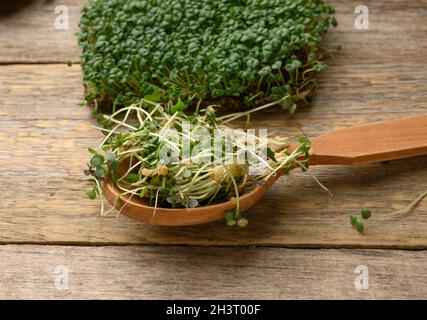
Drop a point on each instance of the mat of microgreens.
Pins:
(243, 52)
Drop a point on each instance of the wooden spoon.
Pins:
(357, 145)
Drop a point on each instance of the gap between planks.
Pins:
(308, 246)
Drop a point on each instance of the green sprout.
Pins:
(358, 223)
(365, 214)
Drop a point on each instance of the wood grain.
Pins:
(396, 32)
(43, 145)
(217, 273)
(371, 143)
(28, 33)
(380, 75)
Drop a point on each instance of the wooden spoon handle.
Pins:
(372, 143)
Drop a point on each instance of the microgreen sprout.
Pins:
(365, 214)
(357, 222)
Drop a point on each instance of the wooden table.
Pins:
(298, 244)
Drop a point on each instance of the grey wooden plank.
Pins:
(62, 272)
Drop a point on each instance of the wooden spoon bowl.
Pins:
(138, 209)
(362, 144)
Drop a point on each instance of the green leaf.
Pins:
(229, 215)
(334, 22)
(231, 223)
(305, 142)
(100, 119)
(292, 108)
(99, 171)
(311, 57)
(91, 193)
(353, 220)
(111, 157)
(93, 151)
(271, 154)
(366, 213)
(285, 105)
(154, 97)
(155, 181)
(242, 222)
(114, 165)
(97, 160)
(320, 66)
(143, 192)
(132, 177)
(359, 226)
(276, 65)
(180, 106)
(114, 178)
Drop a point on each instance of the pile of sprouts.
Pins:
(157, 153)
